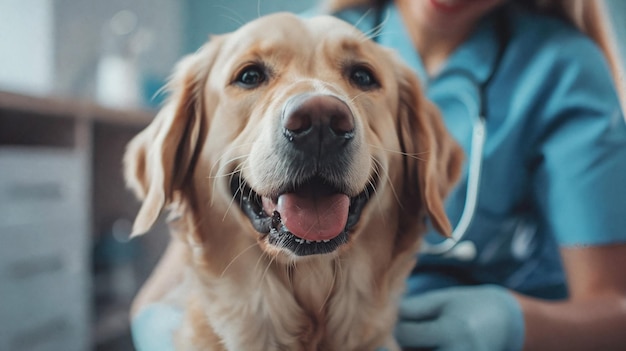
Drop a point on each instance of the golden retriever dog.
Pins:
(300, 163)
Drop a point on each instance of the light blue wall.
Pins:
(205, 17)
(27, 46)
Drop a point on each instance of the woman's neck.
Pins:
(433, 45)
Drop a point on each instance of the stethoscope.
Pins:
(479, 135)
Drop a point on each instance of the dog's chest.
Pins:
(335, 311)
(304, 309)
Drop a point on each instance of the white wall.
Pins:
(81, 39)
(53, 47)
(26, 46)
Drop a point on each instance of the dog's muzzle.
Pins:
(312, 210)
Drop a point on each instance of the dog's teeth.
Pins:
(305, 241)
(276, 221)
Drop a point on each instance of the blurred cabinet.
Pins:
(60, 187)
(44, 276)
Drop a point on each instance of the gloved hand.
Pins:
(153, 327)
(477, 318)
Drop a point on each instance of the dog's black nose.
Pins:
(317, 123)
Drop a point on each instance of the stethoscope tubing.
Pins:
(479, 136)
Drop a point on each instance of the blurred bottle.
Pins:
(118, 77)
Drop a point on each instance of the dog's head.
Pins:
(301, 130)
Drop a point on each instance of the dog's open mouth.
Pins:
(311, 218)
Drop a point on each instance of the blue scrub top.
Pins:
(554, 161)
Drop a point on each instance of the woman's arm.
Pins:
(594, 316)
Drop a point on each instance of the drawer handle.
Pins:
(36, 266)
(36, 191)
(40, 334)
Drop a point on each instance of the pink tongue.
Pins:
(313, 216)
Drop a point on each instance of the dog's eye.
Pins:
(363, 78)
(251, 77)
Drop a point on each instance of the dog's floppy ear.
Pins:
(433, 159)
(161, 157)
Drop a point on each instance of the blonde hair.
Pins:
(592, 18)
(589, 16)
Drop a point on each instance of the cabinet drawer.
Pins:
(45, 310)
(30, 302)
(39, 185)
(43, 272)
(29, 248)
(63, 330)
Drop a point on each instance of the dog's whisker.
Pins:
(415, 156)
(338, 273)
(330, 291)
(376, 172)
(236, 257)
(264, 257)
(234, 20)
(267, 268)
(225, 175)
(294, 269)
(214, 185)
(261, 257)
(363, 16)
(162, 90)
(371, 185)
(382, 170)
(218, 176)
(226, 153)
(322, 86)
(375, 34)
(219, 171)
(250, 193)
(357, 96)
(378, 29)
(232, 199)
(239, 20)
(240, 167)
(385, 173)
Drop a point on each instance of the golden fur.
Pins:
(239, 292)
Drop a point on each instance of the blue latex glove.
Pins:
(153, 327)
(477, 318)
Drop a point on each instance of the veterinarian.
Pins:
(534, 262)
(537, 255)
